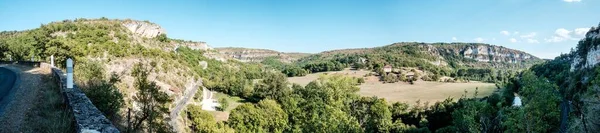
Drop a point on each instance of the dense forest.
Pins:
(329, 104)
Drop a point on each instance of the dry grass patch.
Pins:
(49, 113)
(424, 91)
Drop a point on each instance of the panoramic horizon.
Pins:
(254, 66)
(316, 26)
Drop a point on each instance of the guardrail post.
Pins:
(70, 73)
(52, 60)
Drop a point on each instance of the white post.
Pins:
(52, 60)
(10, 56)
(31, 57)
(70, 73)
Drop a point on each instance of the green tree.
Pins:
(372, 114)
(103, 93)
(324, 105)
(151, 101)
(162, 38)
(273, 86)
(204, 122)
(223, 104)
(267, 116)
(467, 117)
(540, 104)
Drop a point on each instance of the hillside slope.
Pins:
(105, 47)
(258, 55)
(471, 61)
(578, 76)
(442, 54)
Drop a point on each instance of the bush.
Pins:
(223, 104)
(390, 78)
(361, 80)
(103, 93)
(162, 38)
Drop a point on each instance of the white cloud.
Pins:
(493, 39)
(516, 33)
(555, 39)
(581, 31)
(572, 1)
(530, 35)
(562, 34)
(454, 39)
(529, 40)
(506, 33)
(479, 39)
(513, 40)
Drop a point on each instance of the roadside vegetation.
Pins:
(49, 114)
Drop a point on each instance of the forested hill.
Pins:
(258, 55)
(470, 61)
(454, 55)
(121, 63)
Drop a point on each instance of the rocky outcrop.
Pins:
(489, 53)
(144, 29)
(592, 54)
(257, 55)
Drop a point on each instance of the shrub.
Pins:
(162, 38)
(223, 104)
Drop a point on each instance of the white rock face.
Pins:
(593, 55)
(484, 53)
(592, 58)
(144, 29)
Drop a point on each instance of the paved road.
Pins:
(565, 108)
(7, 80)
(180, 104)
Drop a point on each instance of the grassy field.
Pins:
(423, 91)
(233, 102)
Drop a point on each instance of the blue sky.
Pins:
(544, 28)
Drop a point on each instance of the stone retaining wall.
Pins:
(88, 118)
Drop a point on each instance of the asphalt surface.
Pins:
(7, 80)
(182, 103)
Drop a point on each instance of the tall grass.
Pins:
(50, 114)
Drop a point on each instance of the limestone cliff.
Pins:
(588, 52)
(491, 53)
(144, 29)
(257, 55)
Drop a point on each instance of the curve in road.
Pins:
(7, 81)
